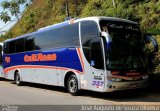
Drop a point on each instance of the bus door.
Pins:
(97, 64)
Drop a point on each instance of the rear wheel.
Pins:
(72, 85)
(18, 79)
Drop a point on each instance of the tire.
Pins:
(18, 79)
(72, 85)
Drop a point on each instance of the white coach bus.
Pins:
(102, 54)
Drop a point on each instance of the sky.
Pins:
(6, 26)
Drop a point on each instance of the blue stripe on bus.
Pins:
(65, 57)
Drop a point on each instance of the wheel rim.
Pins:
(72, 85)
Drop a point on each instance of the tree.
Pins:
(67, 9)
(5, 17)
(13, 7)
(114, 5)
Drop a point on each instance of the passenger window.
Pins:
(29, 43)
(89, 30)
(67, 36)
(48, 39)
(70, 35)
(20, 45)
(5, 48)
(12, 48)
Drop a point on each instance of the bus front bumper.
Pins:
(115, 86)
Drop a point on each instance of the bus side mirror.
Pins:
(153, 41)
(152, 46)
(108, 40)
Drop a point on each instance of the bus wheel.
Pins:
(72, 85)
(18, 79)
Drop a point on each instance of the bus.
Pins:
(102, 54)
(1, 54)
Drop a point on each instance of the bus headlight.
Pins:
(145, 77)
(116, 79)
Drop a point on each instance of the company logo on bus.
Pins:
(40, 57)
(7, 59)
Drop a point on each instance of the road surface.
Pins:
(36, 94)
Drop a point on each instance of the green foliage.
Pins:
(42, 13)
(6, 36)
(13, 7)
(153, 31)
(5, 17)
(157, 60)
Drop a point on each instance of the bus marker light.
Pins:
(71, 21)
(115, 72)
(145, 77)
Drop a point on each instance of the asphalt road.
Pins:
(36, 94)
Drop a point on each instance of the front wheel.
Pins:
(18, 79)
(72, 85)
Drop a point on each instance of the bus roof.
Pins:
(98, 18)
(54, 26)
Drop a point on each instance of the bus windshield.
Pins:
(127, 49)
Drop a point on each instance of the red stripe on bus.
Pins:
(6, 70)
(81, 60)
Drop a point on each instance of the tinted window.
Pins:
(96, 53)
(20, 45)
(70, 35)
(86, 50)
(29, 43)
(12, 47)
(6, 48)
(48, 39)
(89, 30)
(67, 36)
